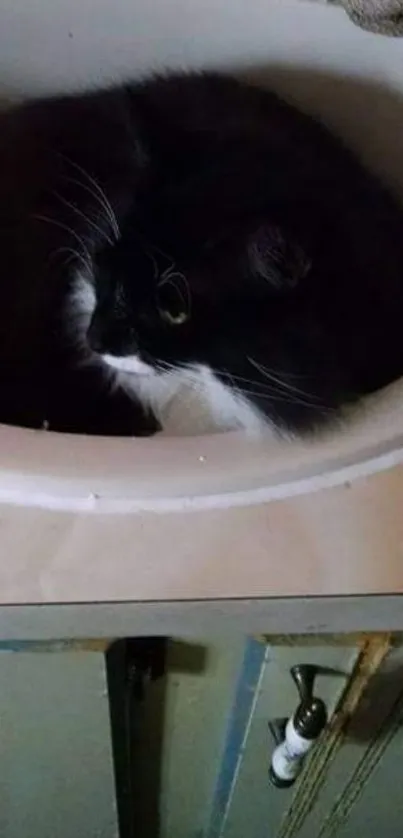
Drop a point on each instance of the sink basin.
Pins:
(220, 516)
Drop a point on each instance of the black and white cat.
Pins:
(190, 239)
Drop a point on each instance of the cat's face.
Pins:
(209, 318)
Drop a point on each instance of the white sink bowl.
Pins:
(91, 519)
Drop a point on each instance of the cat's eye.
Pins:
(173, 319)
(173, 299)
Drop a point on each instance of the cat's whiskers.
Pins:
(156, 274)
(296, 394)
(255, 389)
(69, 230)
(74, 254)
(189, 375)
(263, 389)
(151, 250)
(157, 249)
(99, 193)
(268, 373)
(86, 218)
(115, 231)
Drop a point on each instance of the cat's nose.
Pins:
(110, 337)
(95, 338)
(104, 337)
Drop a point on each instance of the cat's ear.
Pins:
(276, 258)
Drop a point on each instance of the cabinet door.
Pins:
(361, 792)
(57, 775)
(245, 802)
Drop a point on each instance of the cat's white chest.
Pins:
(187, 401)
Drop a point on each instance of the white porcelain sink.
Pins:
(172, 474)
(86, 518)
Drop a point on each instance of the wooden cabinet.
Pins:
(347, 776)
(197, 746)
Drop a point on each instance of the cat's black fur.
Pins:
(289, 255)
